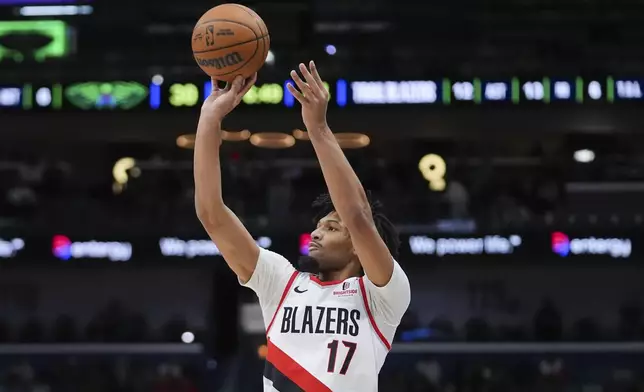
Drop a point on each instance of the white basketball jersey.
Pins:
(326, 336)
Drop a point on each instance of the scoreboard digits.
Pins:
(175, 95)
(595, 90)
(533, 91)
(562, 90)
(43, 97)
(463, 91)
(495, 91)
(10, 96)
(269, 93)
(27, 97)
(184, 94)
(628, 89)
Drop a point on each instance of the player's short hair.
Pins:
(386, 229)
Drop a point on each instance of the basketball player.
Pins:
(330, 330)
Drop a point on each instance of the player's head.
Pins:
(332, 249)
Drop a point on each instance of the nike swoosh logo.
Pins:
(297, 290)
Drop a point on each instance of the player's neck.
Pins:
(337, 276)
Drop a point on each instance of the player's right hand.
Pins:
(223, 100)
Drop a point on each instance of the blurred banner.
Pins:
(416, 248)
(158, 93)
(36, 40)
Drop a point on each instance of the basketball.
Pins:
(230, 40)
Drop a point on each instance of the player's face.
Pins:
(331, 244)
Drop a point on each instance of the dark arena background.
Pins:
(504, 137)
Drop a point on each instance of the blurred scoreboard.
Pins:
(161, 95)
(128, 96)
(480, 91)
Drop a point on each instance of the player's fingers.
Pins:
(237, 85)
(298, 95)
(248, 84)
(304, 88)
(309, 78)
(214, 85)
(316, 75)
(253, 79)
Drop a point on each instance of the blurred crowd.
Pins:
(547, 326)
(114, 323)
(33, 195)
(597, 372)
(99, 374)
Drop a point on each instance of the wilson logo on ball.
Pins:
(225, 32)
(228, 60)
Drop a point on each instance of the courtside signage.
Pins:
(191, 248)
(10, 248)
(65, 249)
(445, 246)
(565, 246)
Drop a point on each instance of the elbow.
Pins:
(359, 219)
(210, 215)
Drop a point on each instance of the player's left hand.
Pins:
(312, 95)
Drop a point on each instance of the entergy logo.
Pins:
(305, 240)
(65, 249)
(560, 244)
(613, 247)
(10, 248)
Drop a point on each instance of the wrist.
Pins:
(210, 120)
(319, 129)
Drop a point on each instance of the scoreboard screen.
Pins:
(158, 94)
(480, 91)
(127, 95)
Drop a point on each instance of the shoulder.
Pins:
(391, 300)
(272, 272)
(274, 262)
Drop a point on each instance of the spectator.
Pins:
(547, 322)
(171, 379)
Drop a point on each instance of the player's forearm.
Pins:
(346, 191)
(207, 170)
(226, 230)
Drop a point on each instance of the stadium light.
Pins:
(584, 156)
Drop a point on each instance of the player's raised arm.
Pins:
(346, 191)
(237, 246)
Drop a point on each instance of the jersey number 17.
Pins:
(333, 353)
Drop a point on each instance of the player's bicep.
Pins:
(235, 243)
(374, 256)
(390, 302)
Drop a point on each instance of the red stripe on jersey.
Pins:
(284, 294)
(323, 283)
(371, 319)
(293, 370)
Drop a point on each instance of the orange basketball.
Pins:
(230, 40)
